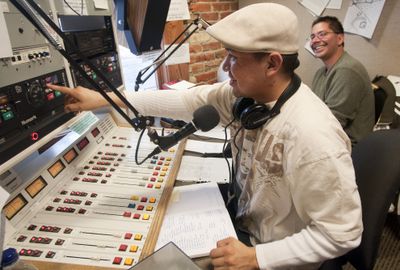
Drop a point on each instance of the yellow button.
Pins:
(166, 164)
(134, 198)
(158, 186)
(138, 236)
(149, 208)
(165, 169)
(128, 261)
(133, 248)
(160, 179)
(171, 150)
(168, 159)
(146, 216)
(162, 174)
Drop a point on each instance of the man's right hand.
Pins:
(80, 98)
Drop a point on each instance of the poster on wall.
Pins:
(178, 10)
(315, 7)
(362, 17)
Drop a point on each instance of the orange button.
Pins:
(134, 248)
(128, 261)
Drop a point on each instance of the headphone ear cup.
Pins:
(255, 116)
(250, 114)
(240, 105)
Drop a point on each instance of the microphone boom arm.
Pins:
(198, 22)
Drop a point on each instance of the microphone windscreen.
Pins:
(206, 118)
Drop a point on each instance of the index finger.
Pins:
(225, 241)
(217, 253)
(62, 89)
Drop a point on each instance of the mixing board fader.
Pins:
(100, 205)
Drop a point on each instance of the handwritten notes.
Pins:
(196, 219)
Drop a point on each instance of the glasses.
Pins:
(321, 34)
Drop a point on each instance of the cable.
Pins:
(231, 190)
(137, 150)
(65, 2)
(224, 149)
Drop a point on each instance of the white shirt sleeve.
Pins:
(162, 103)
(180, 104)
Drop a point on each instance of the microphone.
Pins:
(205, 118)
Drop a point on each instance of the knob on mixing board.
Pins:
(35, 94)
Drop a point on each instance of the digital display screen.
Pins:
(95, 132)
(14, 206)
(82, 144)
(49, 144)
(3, 99)
(36, 186)
(70, 155)
(56, 168)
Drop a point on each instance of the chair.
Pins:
(380, 97)
(376, 162)
(385, 96)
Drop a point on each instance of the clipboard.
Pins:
(168, 257)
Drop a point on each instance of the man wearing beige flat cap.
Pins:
(296, 202)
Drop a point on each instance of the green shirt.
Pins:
(346, 89)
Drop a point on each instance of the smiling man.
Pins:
(343, 83)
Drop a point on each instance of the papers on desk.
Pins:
(182, 85)
(202, 147)
(199, 169)
(216, 133)
(196, 218)
(204, 169)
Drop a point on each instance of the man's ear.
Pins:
(274, 61)
(340, 40)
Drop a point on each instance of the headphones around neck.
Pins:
(253, 115)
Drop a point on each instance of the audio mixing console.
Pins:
(90, 204)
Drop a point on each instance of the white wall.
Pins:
(380, 55)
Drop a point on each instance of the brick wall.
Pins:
(206, 54)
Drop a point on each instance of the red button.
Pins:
(123, 247)
(117, 260)
(50, 96)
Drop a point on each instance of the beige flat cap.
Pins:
(263, 27)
